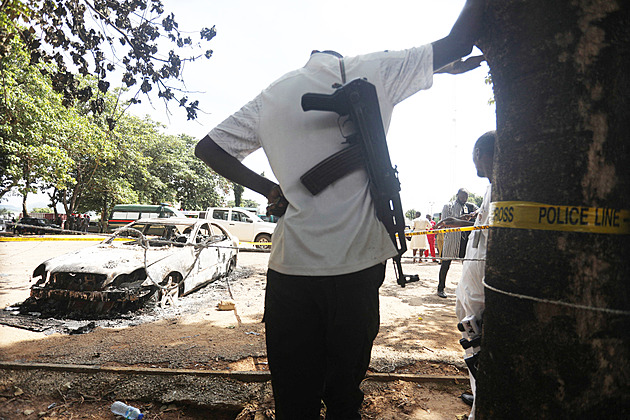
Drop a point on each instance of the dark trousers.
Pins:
(446, 264)
(320, 332)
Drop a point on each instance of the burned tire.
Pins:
(230, 266)
(170, 290)
(263, 238)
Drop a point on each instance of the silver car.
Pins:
(148, 260)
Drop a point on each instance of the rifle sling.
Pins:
(333, 168)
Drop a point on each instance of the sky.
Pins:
(431, 134)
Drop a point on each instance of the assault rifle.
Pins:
(367, 149)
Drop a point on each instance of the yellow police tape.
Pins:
(529, 215)
(509, 214)
(55, 238)
(459, 229)
(84, 238)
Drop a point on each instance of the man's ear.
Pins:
(477, 153)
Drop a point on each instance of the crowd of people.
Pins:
(76, 222)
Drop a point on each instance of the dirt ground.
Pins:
(417, 341)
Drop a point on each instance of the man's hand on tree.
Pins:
(462, 66)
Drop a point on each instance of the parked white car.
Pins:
(156, 260)
(242, 223)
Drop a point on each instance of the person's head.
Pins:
(462, 195)
(483, 154)
(418, 214)
(428, 216)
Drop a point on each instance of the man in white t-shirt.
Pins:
(419, 242)
(470, 300)
(328, 251)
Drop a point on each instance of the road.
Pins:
(417, 335)
(405, 312)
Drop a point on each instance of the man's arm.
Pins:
(450, 222)
(231, 168)
(462, 66)
(446, 211)
(462, 37)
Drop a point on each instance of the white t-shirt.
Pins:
(469, 293)
(420, 241)
(335, 232)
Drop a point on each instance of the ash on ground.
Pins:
(207, 296)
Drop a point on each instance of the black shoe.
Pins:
(441, 294)
(467, 398)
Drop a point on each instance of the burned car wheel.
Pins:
(231, 266)
(169, 291)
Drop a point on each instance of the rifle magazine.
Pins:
(333, 168)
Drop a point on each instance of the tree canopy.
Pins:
(71, 153)
(135, 40)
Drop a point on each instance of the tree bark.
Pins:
(24, 209)
(54, 199)
(561, 75)
(238, 193)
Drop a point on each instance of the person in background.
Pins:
(469, 295)
(86, 219)
(419, 243)
(439, 240)
(328, 251)
(431, 239)
(454, 242)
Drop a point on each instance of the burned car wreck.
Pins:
(149, 261)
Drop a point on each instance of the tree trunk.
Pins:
(104, 213)
(64, 201)
(561, 75)
(24, 209)
(54, 199)
(238, 193)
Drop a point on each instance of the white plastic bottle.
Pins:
(127, 411)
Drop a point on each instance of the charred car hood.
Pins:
(107, 259)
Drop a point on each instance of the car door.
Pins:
(241, 225)
(207, 256)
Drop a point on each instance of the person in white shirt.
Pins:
(328, 251)
(469, 294)
(419, 242)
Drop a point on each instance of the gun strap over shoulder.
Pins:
(342, 70)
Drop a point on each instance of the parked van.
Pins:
(242, 223)
(123, 214)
